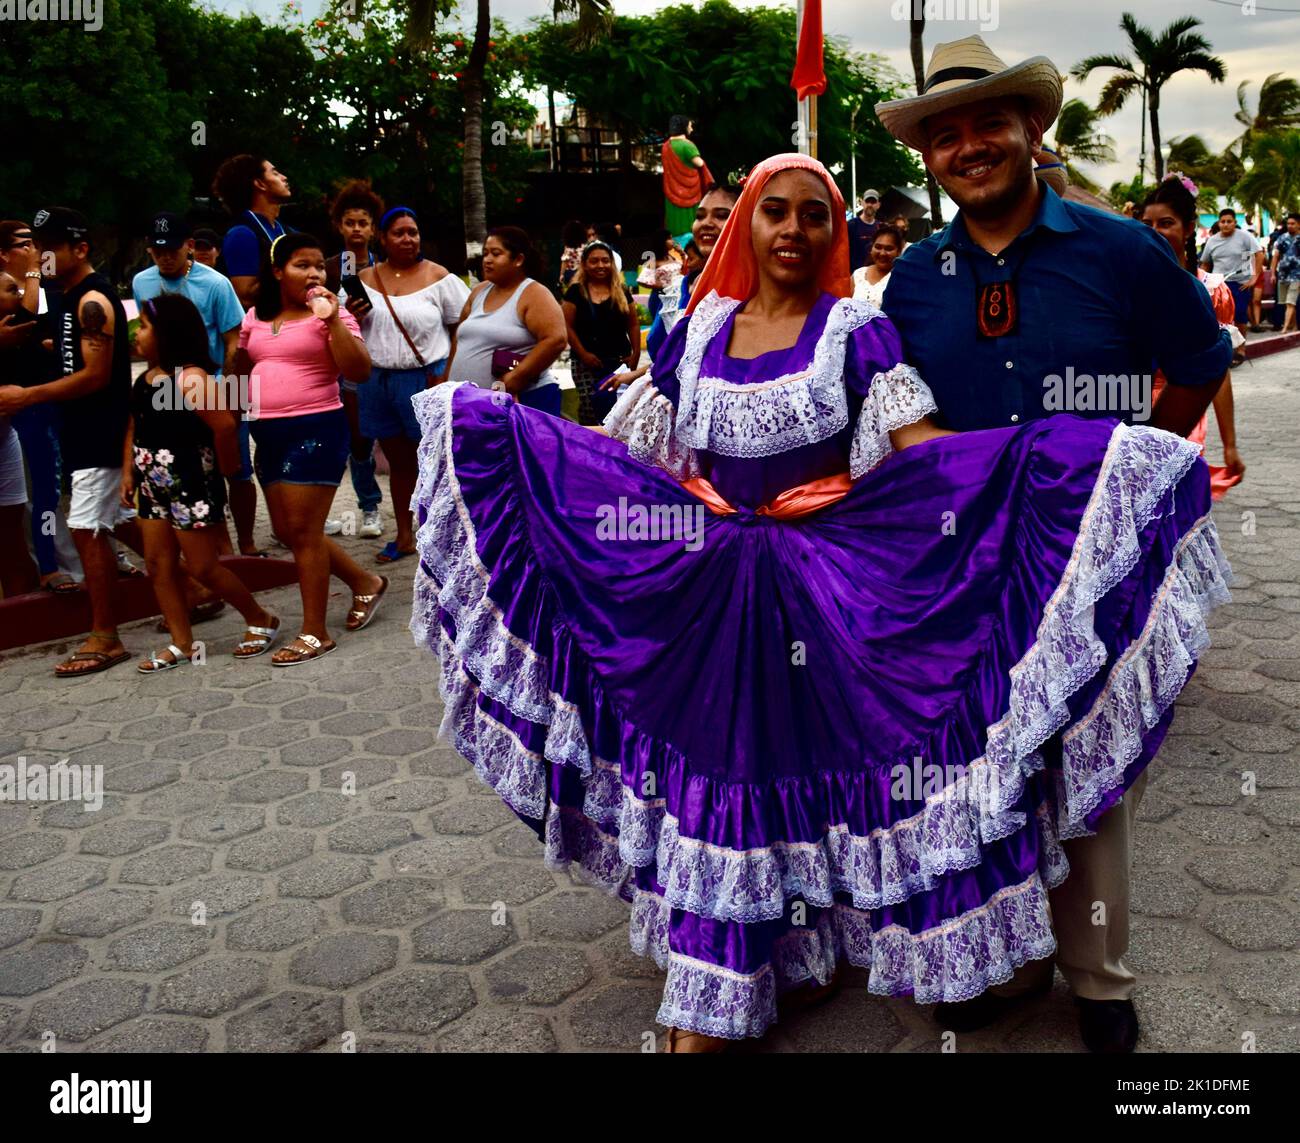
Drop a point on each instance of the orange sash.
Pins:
(792, 504)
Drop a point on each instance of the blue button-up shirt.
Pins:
(1102, 303)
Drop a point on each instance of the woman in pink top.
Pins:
(294, 344)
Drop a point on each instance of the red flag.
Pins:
(809, 68)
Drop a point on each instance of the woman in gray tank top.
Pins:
(510, 313)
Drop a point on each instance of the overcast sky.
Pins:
(1252, 46)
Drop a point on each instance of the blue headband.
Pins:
(383, 222)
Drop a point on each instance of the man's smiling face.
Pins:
(982, 153)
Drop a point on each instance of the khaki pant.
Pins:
(1090, 954)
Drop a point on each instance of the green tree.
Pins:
(730, 71)
(1210, 172)
(1078, 139)
(1278, 108)
(1273, 179)
(1159, 59)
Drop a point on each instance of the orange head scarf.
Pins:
(732, 270)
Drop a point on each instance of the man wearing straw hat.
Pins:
(1021, 292)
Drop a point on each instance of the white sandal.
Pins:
(156, 663)
(317, 648)
(251, 648)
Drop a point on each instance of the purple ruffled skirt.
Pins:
(856, 736)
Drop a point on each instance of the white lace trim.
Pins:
(645, 420)
(896, 398)
(763, 420)
(890, 864)
(952, 962)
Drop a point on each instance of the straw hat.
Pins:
(1049, 168)
(966, 71)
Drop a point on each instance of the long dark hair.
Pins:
(516, 240)
(179, 333)
(1182, 202)
(269, 302)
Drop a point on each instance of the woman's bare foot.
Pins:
(679, 1041)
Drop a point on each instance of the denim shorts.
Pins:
(245, 453)
(310, 449)
(384, 406)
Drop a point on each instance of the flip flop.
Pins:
(103, 658)
(251, 648)
(130, 571)
(157, 663)
(390, 553)
(361, 615)
(61, 584)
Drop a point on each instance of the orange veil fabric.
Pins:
(732, 269)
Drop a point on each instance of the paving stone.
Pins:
(580, 916)
(72, 737)
(273, 735)
(620, 1016)
(1254, 925)
(281, 692)
(324, 876)
(355, 723)
(130, 835)
(1261, 739)
(461, 936)
(511, 882)
(224, 823)
(221, 895)
(439, 763)
(406, 797)
(388, 698)
(622, 962)
(311, 709)
(54, 882)
(42, 716)
(287, 1022)
(1236, 682)
(1270, 983)
(417, 1001)
(166, 865)
(315, 751)
(364, 772)
(212, 987)
(275, 927)
(158, 947)
(1189, 721)
(268, 786)
(399, 742)
(39, 966)
(1178, 1018)
(1280, 809)
(186, 747)
(199, 702)
(495, 1031)
(1157, 806)
(392, 903)
(348, 682)
(227, 764)
(16, 925)
(1236, 872)
(142, 777)
(371, 833)
(318, 808)
(340, 960)
(86, 1009)
(427, 715)
(235, 718)
(1218, 827)
(519, 842)
(155, 1037)
(271, 850)
(77, 815)
(99, 914)
(1271, 771)
(1167, 947)
(471, 816)
(1161, 893)
(1281, 669)
(440, 857)
(538, 975)
(177, 800)
(27, 849)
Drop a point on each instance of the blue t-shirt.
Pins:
(212, 294)
(244, 242)
(1288, 263)
(1098, 294)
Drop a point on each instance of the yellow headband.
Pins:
(277, 239)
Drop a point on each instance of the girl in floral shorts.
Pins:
(180, 440)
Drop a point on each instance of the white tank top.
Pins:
(482, 334)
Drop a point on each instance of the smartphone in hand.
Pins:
(358, 300)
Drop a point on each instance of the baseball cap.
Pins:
(208, 235)
(866, 194)
(59, 224)
(168, 231)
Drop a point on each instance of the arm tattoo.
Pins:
(93, 321)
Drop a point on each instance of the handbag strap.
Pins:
(398, 321)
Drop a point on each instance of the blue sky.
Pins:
(1252, 46)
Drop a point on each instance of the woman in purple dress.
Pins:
(801, 678)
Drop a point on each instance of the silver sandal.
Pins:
(251, 648)
(156, 663)
(318, 649)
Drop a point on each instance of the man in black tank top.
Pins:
(93, 395)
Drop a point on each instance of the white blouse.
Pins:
(426, 314)
(865, 291)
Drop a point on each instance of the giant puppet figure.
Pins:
(686, 176)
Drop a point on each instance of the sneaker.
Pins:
(372, 524)
(333, 527)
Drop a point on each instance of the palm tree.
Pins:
(1274, 175)
(1159, 59)
(1278, 108)
(1210, 172)
(1078, 140)
(916, 36)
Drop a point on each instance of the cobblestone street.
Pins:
(416, 914)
